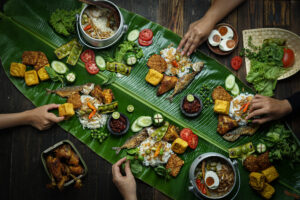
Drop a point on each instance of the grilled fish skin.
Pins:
(242, 130)
(67, 91)
(133, 141)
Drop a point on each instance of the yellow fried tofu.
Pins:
(66, 110)
(17, 69)
(30, 57)
(42, 61)
(43, 74)
(31, 78)
(270, 174)
(256, 180)
(222, 107)
(179, 146)
(154, 77)
(267, 191)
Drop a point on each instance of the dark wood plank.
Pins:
(277, 13)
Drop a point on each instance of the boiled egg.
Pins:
(214, 38)
(227, 45)
(212, 180)
(225, 32)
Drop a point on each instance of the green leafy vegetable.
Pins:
(125, 47)
(110, 79)
(63, 21)
(136, 166)
(54, 76)
(281, 144)
(162, 171)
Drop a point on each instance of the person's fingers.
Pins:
(191, 49)
(187, 45)
(53, 118)
(127, 168)
(262, 120)
(255, 106)
(258, 96)
(256, 113)
(116, 168)
(51, 106)
(183, 41)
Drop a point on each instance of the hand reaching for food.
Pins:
(268, 109)
(39, 118)
(126, 184)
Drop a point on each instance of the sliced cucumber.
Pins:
(116, 115)
(190, 98)
(235, 90)
(135, 127)
(100, 63)
(144, 121)
(59, 67)
(70, 77)
(133, 35)
(229, 82)
(130, 108)
(158, 119)
(130, 58)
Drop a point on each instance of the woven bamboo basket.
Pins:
(292, 41)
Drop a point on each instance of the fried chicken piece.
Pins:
(251, 164)
(55, 167)
(63, 151)
(174, 163)
(76, 170)
(97, 93)
(107, 96)
(263, 161)
(30, 57)
(171, 134)
(221, 94)
(157, 62)
(225, 123)
(167, 83)
(75, 99)
(41, 61)
(60, 184)
(74, 159)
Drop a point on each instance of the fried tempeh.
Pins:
(221, 94)
(174, 163)
(75, 99)
(157, 62)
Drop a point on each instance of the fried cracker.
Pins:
(158, 63)
(221, 94)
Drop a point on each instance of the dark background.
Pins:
(21, 172)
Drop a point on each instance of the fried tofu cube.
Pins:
(30, 57)
(270, 174)
(257, 180)
(154, 77)
(43, 74)
(222, 107)
(31, 78)
(179, 146)
(174, 164)
(17, 69)
(66, 110)
(267, 191)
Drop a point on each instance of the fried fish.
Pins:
(133, 141)
(68, 91)
(157, 62)
(221, 94)
(167, 84)
(225, 124)
(75, 99)
(242, 130)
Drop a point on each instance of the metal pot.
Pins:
(100, 43)
(193, 188)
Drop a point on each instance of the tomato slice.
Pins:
(193, 141)
(91, 67)
(186, 133)
(87, 56)
(144, 43)
(146, 34)
(236, 62)
(288, 58)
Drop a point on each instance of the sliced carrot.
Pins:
(246, 107)
(91, 106)
(92, 114)
(157, 150)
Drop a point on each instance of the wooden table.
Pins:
(22, 174)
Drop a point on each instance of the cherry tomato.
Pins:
(236, 62)
(144, 43)
(193, 141)
(87, 56)
(146, 34)
(288, 57)
(91, 67)
(185, 134)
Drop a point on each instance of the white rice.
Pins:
(235, 106)
(87, 88)
(149, 159)
(97, 121)
(168, 54)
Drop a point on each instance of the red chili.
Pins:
(87, 27)
(175, 64)
(246, 107)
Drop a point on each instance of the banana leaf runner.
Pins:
(24, 26)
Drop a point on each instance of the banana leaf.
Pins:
(24, 25)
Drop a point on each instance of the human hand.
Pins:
(268, 109)
(41, 119)
(126, 184)
(197, 33)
